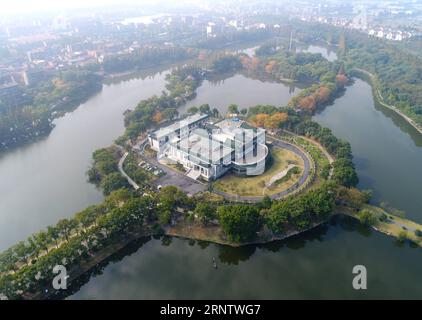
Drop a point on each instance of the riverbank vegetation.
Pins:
(147, 57)
(397, 72)
(26, 268)
(28, 112)
(327, 79)
(343, 168)
(104, 170)
(181, 86)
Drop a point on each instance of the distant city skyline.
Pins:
(28, 6)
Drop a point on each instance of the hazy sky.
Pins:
(13, 6)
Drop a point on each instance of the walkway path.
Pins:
(308, 163)
(124, 174)
(380, 100)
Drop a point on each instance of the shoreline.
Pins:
(212, 234)
(379, 99)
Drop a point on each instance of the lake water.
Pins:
(388, 157)
(45, 181)
(315, 265)
(244, 92)
(327, 52)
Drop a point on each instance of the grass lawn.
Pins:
(256, 185)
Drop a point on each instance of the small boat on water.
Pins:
(214, 263)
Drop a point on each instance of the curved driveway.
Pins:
(306, 172)
(188, 185)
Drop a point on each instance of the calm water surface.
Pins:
(45, 181)
(315, 265)
(244, 92)
(387, 151)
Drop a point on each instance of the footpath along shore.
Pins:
(379, 98)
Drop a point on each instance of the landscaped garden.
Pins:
(283, 170)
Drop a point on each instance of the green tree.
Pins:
(239, 222)
(65, 227)
(367, 217)
(113, 181)
(53, 234)
(205, 212)
(205, 108)
(192, 110)
(233, 109)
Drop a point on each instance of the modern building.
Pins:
(209, 150)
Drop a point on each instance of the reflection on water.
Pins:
(328, 52)
(245, 92)
(387, 157)
(317, 264)
(44, 182)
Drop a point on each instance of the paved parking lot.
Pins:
(174, 178)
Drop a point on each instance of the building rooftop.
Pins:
(191, 119)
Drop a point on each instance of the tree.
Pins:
(341, 80)
(158, 117)
(323, 94)
(205, 109)
(205, 212)
(164, 217)
(41, 239)
(65, 227)
(170, 113)
(244, 111)
(21, 251)
(367, 218)
(215, 112)
(54, 234)
(275, 121)
(307, 104)
(85, 218)
(269, 67)
(344, 173)
(260, 119)
(239, 222)
(353, 197)
(402, 236)
(233, 109)
(192, 110)
(170, 197)
(278, 216)
(113, 181)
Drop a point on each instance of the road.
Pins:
(191, 187)
(123, 173)
(306, 173)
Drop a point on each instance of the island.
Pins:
(249, 176)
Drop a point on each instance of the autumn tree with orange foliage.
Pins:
(260, 119)
(250, 64)
(158, 117)
(322, 94)
(269, 67)
(307, 104)
(264, 120)
(275, 120)
(341, 80)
